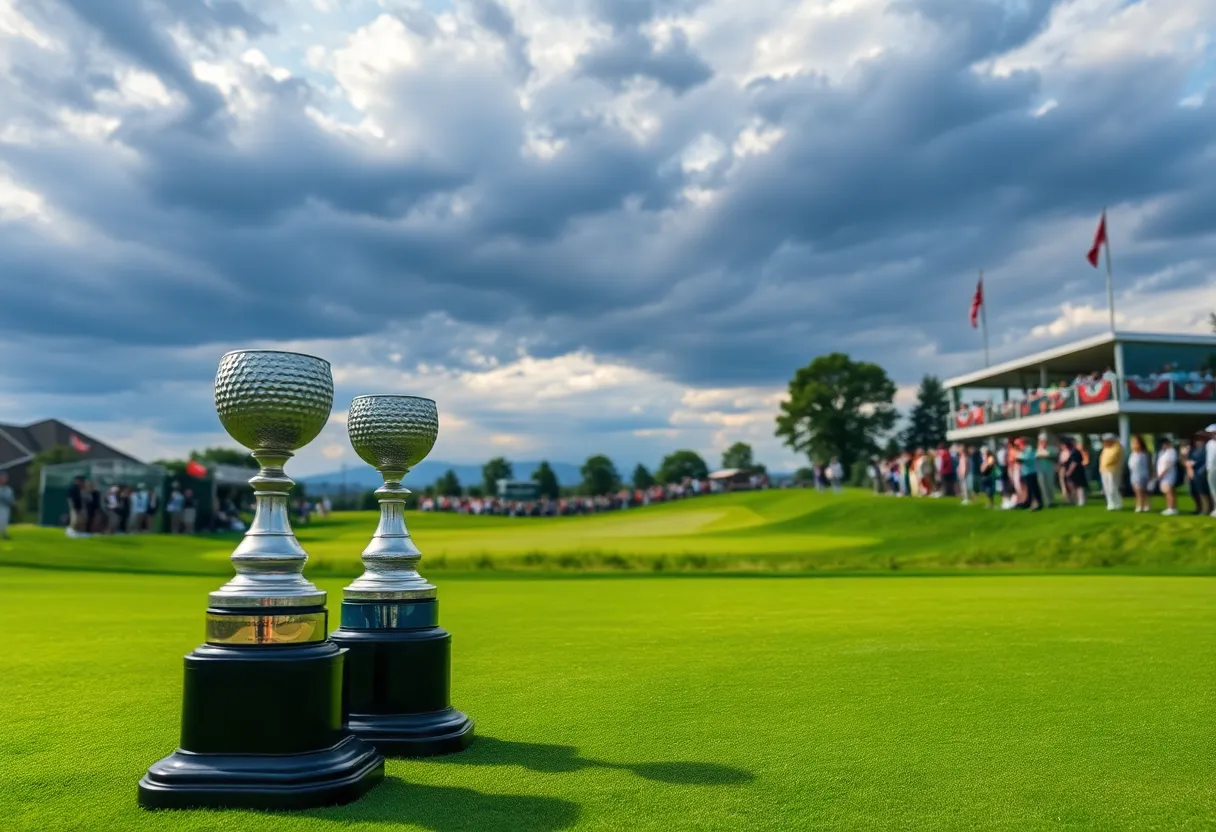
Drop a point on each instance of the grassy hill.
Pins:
(782, 531)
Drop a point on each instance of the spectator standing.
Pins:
(1028, 460)
(139, 509)
(928, 483)
(174, 509)
(965, 476)
(1110, 469)
(1139, 473)
(112, 500)
(189, 512)
(989, 474)
(93, 511)
(947, 477)
(1074, 472)
(1197, 468)
(874, 472)
(124, 509)
(1167, 476)
(76, 507)
(153, 507)
(836, 474)
(1045, 468)
(6, 505)
(1210, 461)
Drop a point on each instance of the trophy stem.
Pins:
(390, 561)
(269, 561)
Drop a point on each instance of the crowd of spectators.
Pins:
(625, 498)
(119, 509)
(125, 509)
(1037, 473)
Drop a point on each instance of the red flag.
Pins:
(78, 444)
(976, 303)
(196, 469)
(1099, 241)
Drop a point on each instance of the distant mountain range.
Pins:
(363, 477)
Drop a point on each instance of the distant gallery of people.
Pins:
(1170, 382)
(1033, 473)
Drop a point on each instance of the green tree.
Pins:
(546, 480)
(676, 466)
(837, 407)
(599, 476)
(31, 494)
(448, 485)
(642, 478)
(738, 455)
(475, 491)
(927, 420)
(493, 471)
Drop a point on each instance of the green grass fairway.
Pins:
(1010, 703)
(795, 531)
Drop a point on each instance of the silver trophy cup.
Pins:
(273, 403)
(392, 434)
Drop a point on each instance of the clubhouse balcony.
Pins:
(1118, 382)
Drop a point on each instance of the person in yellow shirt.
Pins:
(1110, 466)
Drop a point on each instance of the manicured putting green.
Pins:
(1011, 703)
(772, 531)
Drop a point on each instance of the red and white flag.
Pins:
(79, 445)
(1099, 240)
(196, 469)
(976, 302)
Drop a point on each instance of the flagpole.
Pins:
(1110, 286)
(984, 319)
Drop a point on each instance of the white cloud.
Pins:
(1089, 32)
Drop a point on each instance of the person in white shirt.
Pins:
(1209, 448)
(1167, 476)
(1139, 474)
(835, 474)
(139, 509)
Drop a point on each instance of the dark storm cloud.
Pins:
(629, 13)
(630, 54)
(860, 230)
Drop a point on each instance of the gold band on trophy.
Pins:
(290, 628)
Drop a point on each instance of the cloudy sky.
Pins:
(580, 225)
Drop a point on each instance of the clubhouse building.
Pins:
(1118, 382)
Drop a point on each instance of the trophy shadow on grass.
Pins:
(554, 759)
(454, 809)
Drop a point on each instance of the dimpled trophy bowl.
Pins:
(398, 672)
(261, 706)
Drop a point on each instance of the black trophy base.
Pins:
(337, 775)
(414, 735)
(398, 683)
(262, 729)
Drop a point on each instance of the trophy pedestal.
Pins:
(397, 679)
(262, 729)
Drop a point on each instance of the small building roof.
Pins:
(730, 473)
